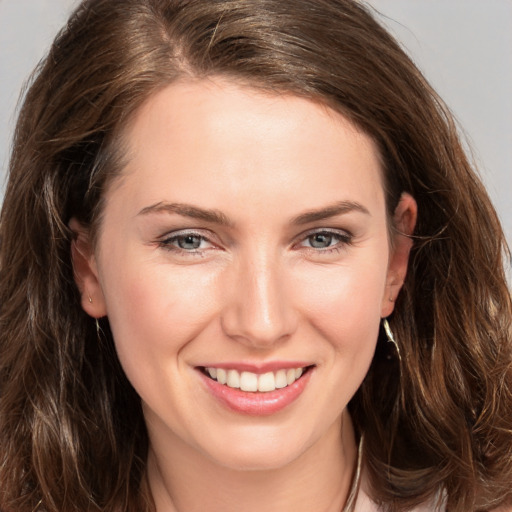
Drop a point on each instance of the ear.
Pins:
(404, 220)
(86, 271)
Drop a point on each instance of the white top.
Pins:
(359, 500)
(365, 504)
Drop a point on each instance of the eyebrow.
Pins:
(187, 210)
(339, 208)
(217, 217)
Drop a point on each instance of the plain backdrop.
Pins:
(464, 47)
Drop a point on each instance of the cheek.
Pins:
(344, 302)
(154, 311)
(343, 306)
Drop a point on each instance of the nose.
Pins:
(259, 312)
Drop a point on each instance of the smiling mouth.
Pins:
(253, 382)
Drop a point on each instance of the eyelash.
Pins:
(344, 239)
(167, 243)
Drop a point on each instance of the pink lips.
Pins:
(257, 403)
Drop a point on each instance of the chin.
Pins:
(263, 452)
(245, 460)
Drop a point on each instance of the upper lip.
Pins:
(258, 368)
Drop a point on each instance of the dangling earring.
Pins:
(391, 338)
(98, 328)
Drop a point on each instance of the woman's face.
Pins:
(245, 238)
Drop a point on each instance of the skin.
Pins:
(268, 283)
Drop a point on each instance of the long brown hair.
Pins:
(72, 434)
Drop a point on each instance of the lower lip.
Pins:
(257, 403)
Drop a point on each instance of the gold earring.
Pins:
(391, 338)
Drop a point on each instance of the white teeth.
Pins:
(266, 382)
(281, 379)
(221, 376)
(248, 381)
(233, 380)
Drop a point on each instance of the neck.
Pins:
(318, 479)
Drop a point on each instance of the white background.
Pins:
(464, 47)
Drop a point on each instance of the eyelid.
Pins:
(185, 232)
(165, 241)
(333, 231)
(345, 236)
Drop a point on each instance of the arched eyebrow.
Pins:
(339, 208)
(187, 210)
(217, 217)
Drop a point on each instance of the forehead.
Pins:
(214, 139)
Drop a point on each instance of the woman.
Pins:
(245, 263)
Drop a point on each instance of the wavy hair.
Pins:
(72, 434)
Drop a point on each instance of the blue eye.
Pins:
(321, 240)
(326, 240)
(188, 242)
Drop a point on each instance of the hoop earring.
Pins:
(391, 338)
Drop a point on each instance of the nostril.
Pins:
(257, 329)
(258, 308)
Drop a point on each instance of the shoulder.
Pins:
(365, 504)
